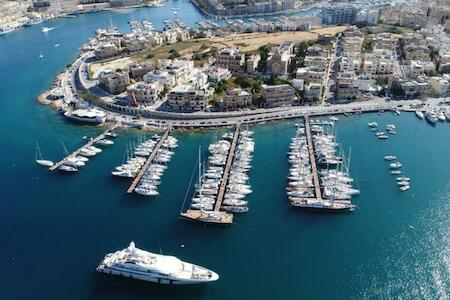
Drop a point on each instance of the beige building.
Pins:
(413, 88)
(237, 98)
(278, 95)
(316, 57)
(417, 67)
(345, 86)
(138, 70)
(315, 61)
(313, 92)
(379, 62)
(187, 98)
(384, 41)
(350, 64)
(252, 63)
(280, 59)
(145, 92)
(417, 52)
(231, 59)
(106, 50)
(440, 85)
(114, 82)
(311, 74)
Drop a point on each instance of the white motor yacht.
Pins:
(419, 114)
(104, 142)
(68, 169)
(135, 263)
(94, 116)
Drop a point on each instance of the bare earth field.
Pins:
(246, 42)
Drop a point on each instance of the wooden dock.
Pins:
(311, 202)
(216, 216)
(144, 167)
(90, 143)
(226, 173)
(312, 158)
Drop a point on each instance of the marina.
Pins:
(312, 157)
(222, 188)
(71, 162)
(137, 179)
(380, 245)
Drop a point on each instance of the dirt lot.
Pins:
(247, 42)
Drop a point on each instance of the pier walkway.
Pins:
(90, 143)
(226, 173)
(317, 201)
(217, 216)
(148, 161)
(312, 158)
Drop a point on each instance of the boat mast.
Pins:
(199, 165)
(349, 159)
(38, 152)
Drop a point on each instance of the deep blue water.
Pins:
(54, 229)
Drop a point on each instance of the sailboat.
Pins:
(39, 160)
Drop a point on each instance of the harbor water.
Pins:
(55, 228)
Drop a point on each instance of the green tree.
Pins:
(382, 81)
(174, 54)
(264, 53)
(221, 86)
(367, 43)
(244, 82)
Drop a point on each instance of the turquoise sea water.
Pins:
(54, 229)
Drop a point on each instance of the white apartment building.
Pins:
(379, 62)
(350, 64)
(417, 67)
(161, 76)
(185, 97)
(145, 92)
(311, 74)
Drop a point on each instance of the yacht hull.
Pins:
(145, 277)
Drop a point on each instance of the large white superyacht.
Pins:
(139, 264)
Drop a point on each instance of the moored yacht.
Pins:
(93, 116)
(390, 157)
(135, 263)
(431, 117)
(419, 114)
(40, 161)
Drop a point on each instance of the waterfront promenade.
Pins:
(142, 117)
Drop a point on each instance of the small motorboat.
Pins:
(404, 188)
(395, 165)
(104, 142)
(390, 157)
(68, 169)
(111, 134)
